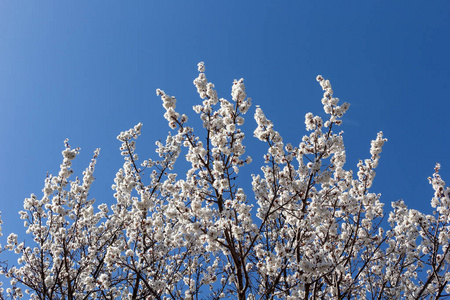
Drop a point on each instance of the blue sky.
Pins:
(88, 70)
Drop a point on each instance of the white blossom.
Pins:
(310, 228)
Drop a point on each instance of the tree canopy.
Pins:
(309, 229)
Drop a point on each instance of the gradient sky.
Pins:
(87, 70)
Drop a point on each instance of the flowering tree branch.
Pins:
(310, 229)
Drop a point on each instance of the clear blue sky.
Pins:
(86, 70)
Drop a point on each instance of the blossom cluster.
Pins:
(309, 229)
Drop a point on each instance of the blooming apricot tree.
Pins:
(310, 229)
